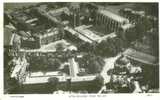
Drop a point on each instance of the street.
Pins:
(109, 64)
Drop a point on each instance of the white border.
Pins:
(81, 0)
(148, 96)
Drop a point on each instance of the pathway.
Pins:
(109, 64)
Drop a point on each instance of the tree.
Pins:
(142, 27)
(13, 86)
(99, 80)
(97, 83)
(119, 44)
(60, 47)
(102, 48)
(131, 35)
(66, 69)
(85, 47)
(106, 48)
(93, 63)
(53, 83)
(53, 63)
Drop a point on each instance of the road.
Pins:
(109, 64)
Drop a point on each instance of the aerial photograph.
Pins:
(80, 47)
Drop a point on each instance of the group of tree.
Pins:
(107, 48)
(110, 47)
(88, 86)
(141, 28)
(92, 63)
(149, 8)
(13, 86)
(96, 84)
(44, 63)
(53, 83)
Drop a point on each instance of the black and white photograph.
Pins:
(80, 47)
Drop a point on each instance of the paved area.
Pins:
(109, 64)
(42, 79)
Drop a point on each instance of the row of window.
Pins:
(110, 24)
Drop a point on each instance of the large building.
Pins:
(54, 15)
(111, 22)
(35, 30)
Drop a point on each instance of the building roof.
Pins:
(113, 16)
(87, 33)
(47, 34)
(140, 56)
(105, 37)
(59, 11)
(53, 13)
(127, 26)
(36, 50)
(31, 20)
(73, 32)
